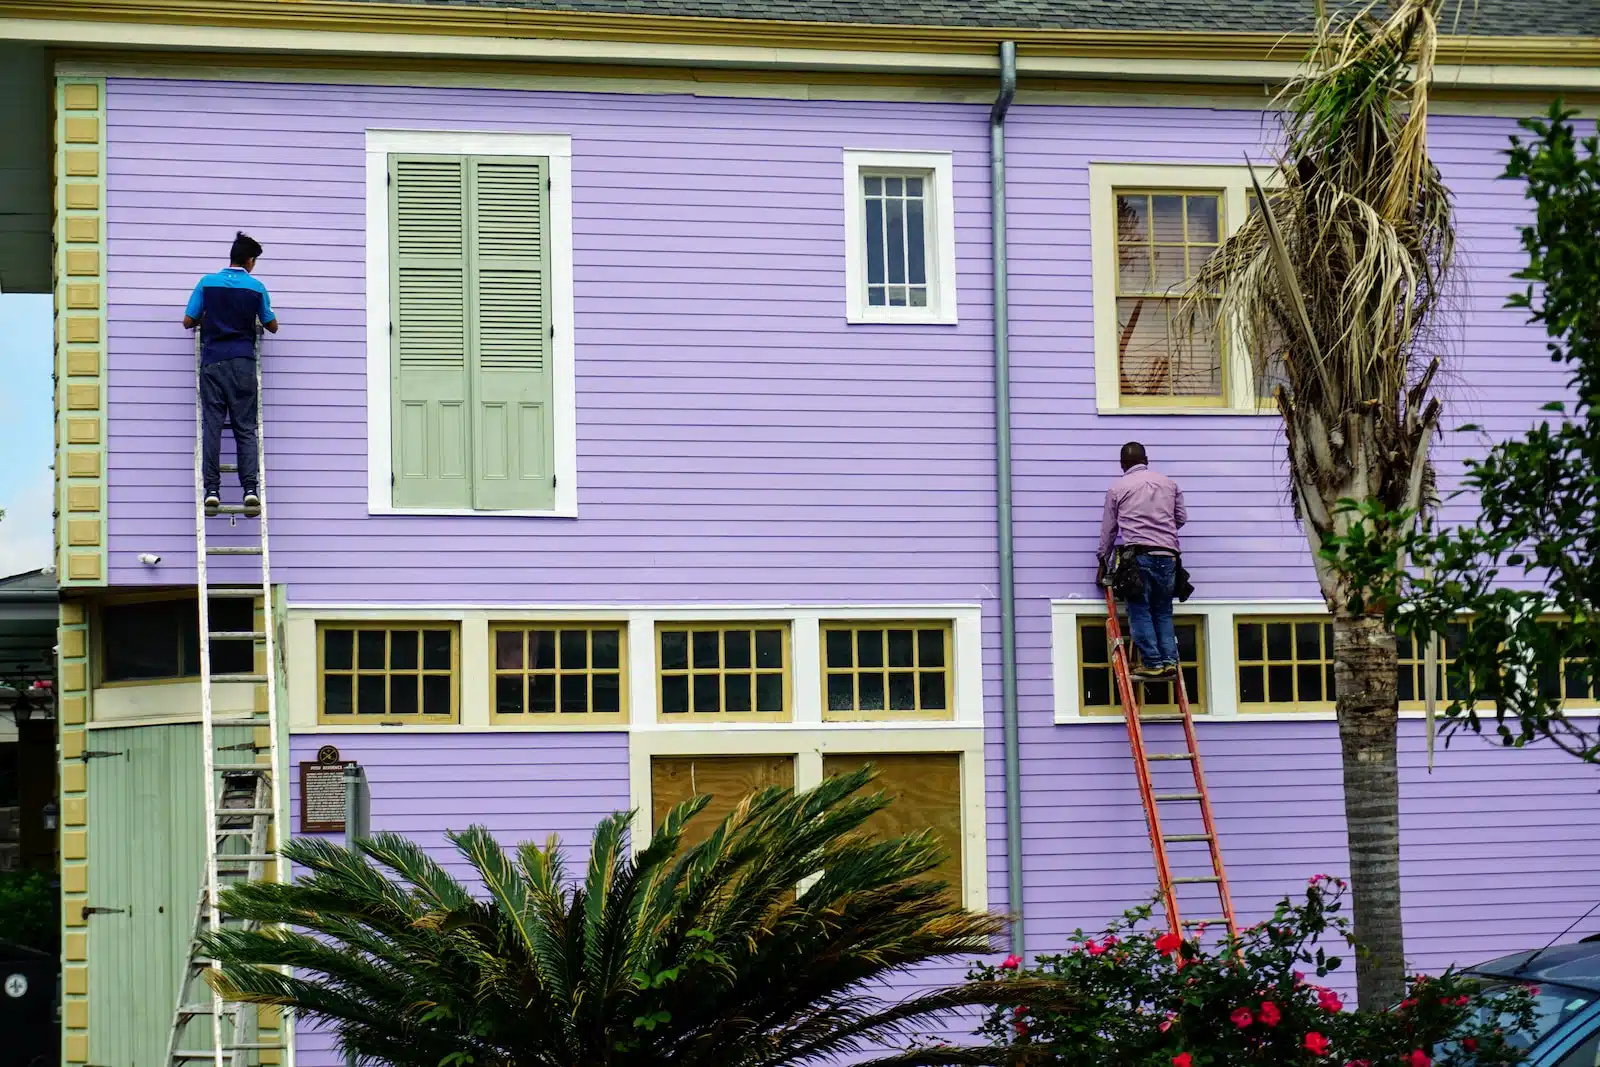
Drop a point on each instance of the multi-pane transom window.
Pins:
(1285, 664)
(389, 672)
(570, 673)
(1162, 240)
(1099, 692)
(878, 670)
(731, 670)
(896, 234)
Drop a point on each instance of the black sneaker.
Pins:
(252, 504)
(1147, 673)
(212, 503)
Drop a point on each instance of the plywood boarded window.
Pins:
(470, 298)
(887, 670)
(159, 640)
(1285, 663)
(728, 780)
(723, 670)
(566, 673)
(387, 672)
(1163, 238)
(926, 793)
(1098, 690)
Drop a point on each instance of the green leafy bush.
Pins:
(29, 913)
(1138, 998)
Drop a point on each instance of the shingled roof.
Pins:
(1490, 18)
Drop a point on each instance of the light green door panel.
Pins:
(146, 851)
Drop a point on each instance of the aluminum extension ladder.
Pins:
(241, 788)
(1143, 763)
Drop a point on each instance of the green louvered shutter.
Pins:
(431, 362)
(510, 334)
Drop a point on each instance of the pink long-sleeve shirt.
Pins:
(1146, 508)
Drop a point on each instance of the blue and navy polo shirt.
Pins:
(227, 305)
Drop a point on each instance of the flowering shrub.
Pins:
(1140, 999)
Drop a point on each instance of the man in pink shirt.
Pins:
(1144, 509)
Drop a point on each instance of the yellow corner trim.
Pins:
(81, 96)
(82, 129)
(71, 744)
(74, 778)
(75, 878)
(83, 431)
(75, 846)
(77, 1045)
(72, 642)
(83, 498)
(83, 397)
(83, 329)
(83, 362)
(83, 196)
(81, 465)
(73, 677)
(73, 910)
(75, 980)
(74, 811)
(77, 1014)
(76, 946)
(83, 261)
(83, 567)
(83, 229)
(84, 296)
(71, 613)
(83, 533)
(74, 710)
(81, 164)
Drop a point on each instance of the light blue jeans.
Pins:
(1150, 619)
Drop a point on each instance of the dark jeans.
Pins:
(229, 387)
(1150, 619)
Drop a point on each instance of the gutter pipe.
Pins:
(1002, 420)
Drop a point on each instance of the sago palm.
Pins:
(1337, 292)
(706, 955)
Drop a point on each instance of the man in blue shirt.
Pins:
(226, 306)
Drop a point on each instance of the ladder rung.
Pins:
(231, 813)
(247, 857)
(233, 550)
(1160, 716)
(238, 635)
(1177, 796)
(226, 593)
(252, 719)
(228, 468)
(1196, 880)
(245, 770)
(1203, 922)
(241, 1046)
(255, 678)
(233, 509)
(1186, 837)
(1169, 755)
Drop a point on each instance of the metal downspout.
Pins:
(1002, 422)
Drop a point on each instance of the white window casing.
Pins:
(939, 230)
(557, 148)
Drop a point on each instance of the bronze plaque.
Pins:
(322, 793)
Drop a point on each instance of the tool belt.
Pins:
(1121, 573)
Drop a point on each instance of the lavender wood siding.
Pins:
(1485, 867)
(523, 787)
(736, 440)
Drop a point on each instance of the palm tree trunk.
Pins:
(1365, 668)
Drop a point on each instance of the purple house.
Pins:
(632, 431)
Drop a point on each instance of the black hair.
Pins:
(1133, 455)
(245, 248)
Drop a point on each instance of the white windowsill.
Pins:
(1155, 409)
(556, 513)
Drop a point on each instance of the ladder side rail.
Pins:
(1214, 841)
(1141, 765)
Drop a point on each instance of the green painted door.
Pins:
(146, 850)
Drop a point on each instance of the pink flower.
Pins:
(1315, 878)
(1359, 1063)
(1109, 941)
(1168, 943)
(1021, 1028)
(1011, 963)
(1182, 1059)
(1533, 990)
(1019, 1011)
(1317, 1044)
(1328, 1000)
(1241, 1017)
(1166, 1024)
(1417, 1058)
(1408, 1003)
(1470, 1044)
(1463, 1000)
(1269, 1013)
(1094, 948)
(1299, 978)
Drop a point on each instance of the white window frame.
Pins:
(380, 145)
(1104, 178)
(939, 220)
(807, 737)
(1221, 673)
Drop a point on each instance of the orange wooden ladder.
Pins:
(1153, 800)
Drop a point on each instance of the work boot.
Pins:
(1148, 673)
(212, 503)
(252, 503)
